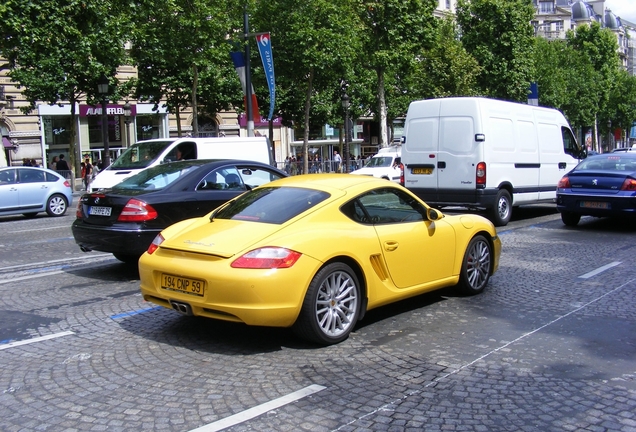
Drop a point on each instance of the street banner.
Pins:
(239, 66)
(264, 43)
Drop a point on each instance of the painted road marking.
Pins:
(135, 312)
(34, 340)
(599, 270)
(260, 409)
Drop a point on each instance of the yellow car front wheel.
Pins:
(331, 306)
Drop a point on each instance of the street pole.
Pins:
(248, 76)
(102, 88)
(345, 104)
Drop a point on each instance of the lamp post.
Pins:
(609, 135)
(127, 118)
(102, 89)
(346, 100)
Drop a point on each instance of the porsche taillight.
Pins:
(267, 258)
(564, 183)
(137, 211)
(480, 174)
(155, 244)
(629, 185)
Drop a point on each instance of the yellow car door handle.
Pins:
(391, 245)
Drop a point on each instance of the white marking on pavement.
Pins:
(387, 407)
(62, 260)
(260, 409)
(40, 229)
(599, 270)
(34, 340)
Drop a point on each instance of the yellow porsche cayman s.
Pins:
(315, 252)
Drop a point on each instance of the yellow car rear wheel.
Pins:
(331, 306)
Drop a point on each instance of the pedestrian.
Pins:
(53, 164)
(87, 173)
(337, 160)
(63, 168)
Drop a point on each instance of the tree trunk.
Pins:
(382, 109)
(195, 111)
(74, 161)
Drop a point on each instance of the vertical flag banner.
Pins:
(239, 66)
(264, 43)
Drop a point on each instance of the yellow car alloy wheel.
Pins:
(331, 306)
(476, 267)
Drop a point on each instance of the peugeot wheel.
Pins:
(502, 212)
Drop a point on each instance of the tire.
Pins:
(570, 219)
(126, 258)
(331, 306)
(476, 266)
(56, 205)
(502, 212)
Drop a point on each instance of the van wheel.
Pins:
(501, 213)
(570, 219)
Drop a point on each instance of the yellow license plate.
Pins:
(422, 171)
(181, 284)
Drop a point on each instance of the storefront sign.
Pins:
(111, 110)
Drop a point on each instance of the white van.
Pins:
(486, 154)
(384, 164)
(149, 153)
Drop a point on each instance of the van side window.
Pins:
(570, 145)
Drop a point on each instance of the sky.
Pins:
(625, 9)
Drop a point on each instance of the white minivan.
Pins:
(149, 153)
(385, 164)
(486, 154)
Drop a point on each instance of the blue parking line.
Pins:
(136, 312)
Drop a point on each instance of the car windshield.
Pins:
(158, 177)
(379, 161)
(609, 162)
(264, 204)
(141, 155)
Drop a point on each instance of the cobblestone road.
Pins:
(549, 346)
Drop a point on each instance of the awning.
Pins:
(7, 143)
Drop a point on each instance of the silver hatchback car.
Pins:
(30, 190)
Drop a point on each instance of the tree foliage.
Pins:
(499, 35)
(57, 50)
(180, 49)
(393, 34)
(315, 43)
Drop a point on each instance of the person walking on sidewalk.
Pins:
(87, 173)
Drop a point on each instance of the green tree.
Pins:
(498, 33)
(567, 81)
(57, 50)
(180, 49)
(599, 48)
(622, 101)
(315, 43)
(394, 33)
(447, 69)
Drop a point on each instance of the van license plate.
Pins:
(181, 284)
(594, 204)
(422, 171)
(99, 211)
